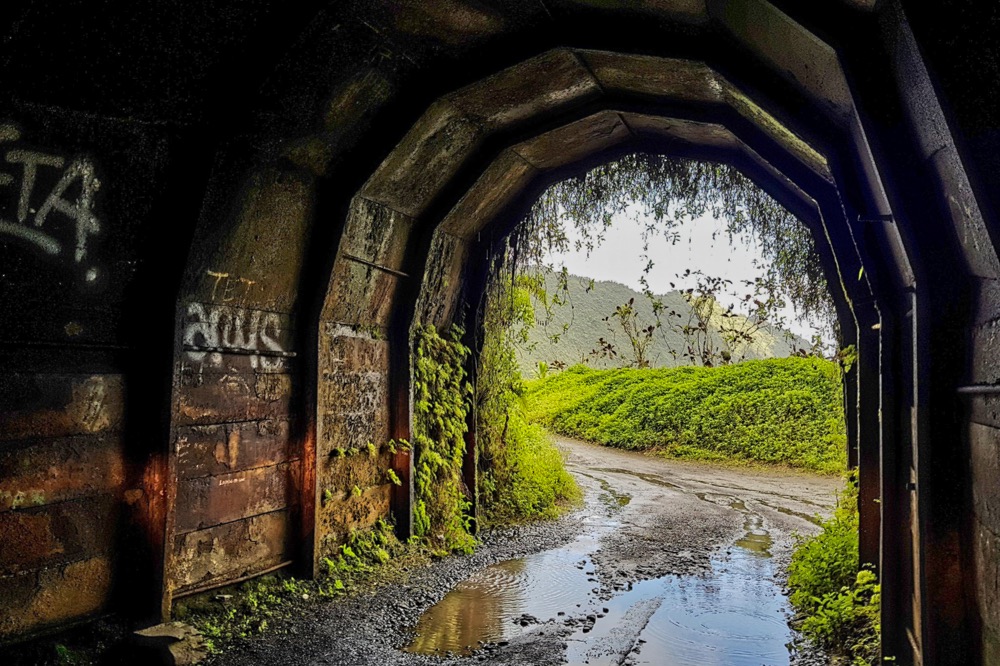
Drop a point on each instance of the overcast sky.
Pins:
(619, 258)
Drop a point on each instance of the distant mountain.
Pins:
(571, 331)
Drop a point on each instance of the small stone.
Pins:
(171, 643)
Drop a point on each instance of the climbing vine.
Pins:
(521, 473)
(441, 402)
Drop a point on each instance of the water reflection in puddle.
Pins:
(735, 615)
(483, 607)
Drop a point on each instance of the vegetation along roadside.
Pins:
(781, 411)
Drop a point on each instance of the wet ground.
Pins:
(667, 563)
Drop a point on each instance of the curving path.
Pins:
(667, 563)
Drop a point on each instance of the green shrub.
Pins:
(827, 562)
(783, 411)
(841, 603)
(527, 478)
(522, 475)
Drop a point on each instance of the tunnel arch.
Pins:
(597, 132)
(875, 194)
(245, 157)
(449, 129)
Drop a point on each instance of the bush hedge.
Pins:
(780, 411)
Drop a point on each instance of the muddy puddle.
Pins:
(736, 615)
(488, 607)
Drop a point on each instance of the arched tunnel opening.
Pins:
(211, 282)
(628, 495)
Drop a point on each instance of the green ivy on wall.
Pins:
(441, 398)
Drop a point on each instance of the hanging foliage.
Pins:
(662, 192)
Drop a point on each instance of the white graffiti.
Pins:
(212, 330)
(34, 218)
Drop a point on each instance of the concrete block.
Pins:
(57, 534)
(442, 286)
(49, 597)
(360, 295)
(233, 392)
(60, 405)
(552, 82)
(425, 161)
(684, 131)
(377, 234)
(792, 51)
(985, 474)
(502, 181)
(227, 552)
(214, 500)
(575, 141)
(56, 470)
(211, 450)
(653, 78)
(259, 253)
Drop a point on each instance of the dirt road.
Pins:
(667, 563)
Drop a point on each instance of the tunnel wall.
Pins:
(359, 341)
(199, 351)
(83, 202)
(236, 432)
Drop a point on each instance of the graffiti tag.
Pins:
(40, 214)
(212, 330)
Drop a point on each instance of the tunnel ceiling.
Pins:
(158, 62)
(555, 83)
(511, 103)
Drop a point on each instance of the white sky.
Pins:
(620, 258)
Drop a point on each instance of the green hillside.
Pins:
(570, 332)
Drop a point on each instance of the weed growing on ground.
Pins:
(66, 656)
(368, 556)
(840, 602)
